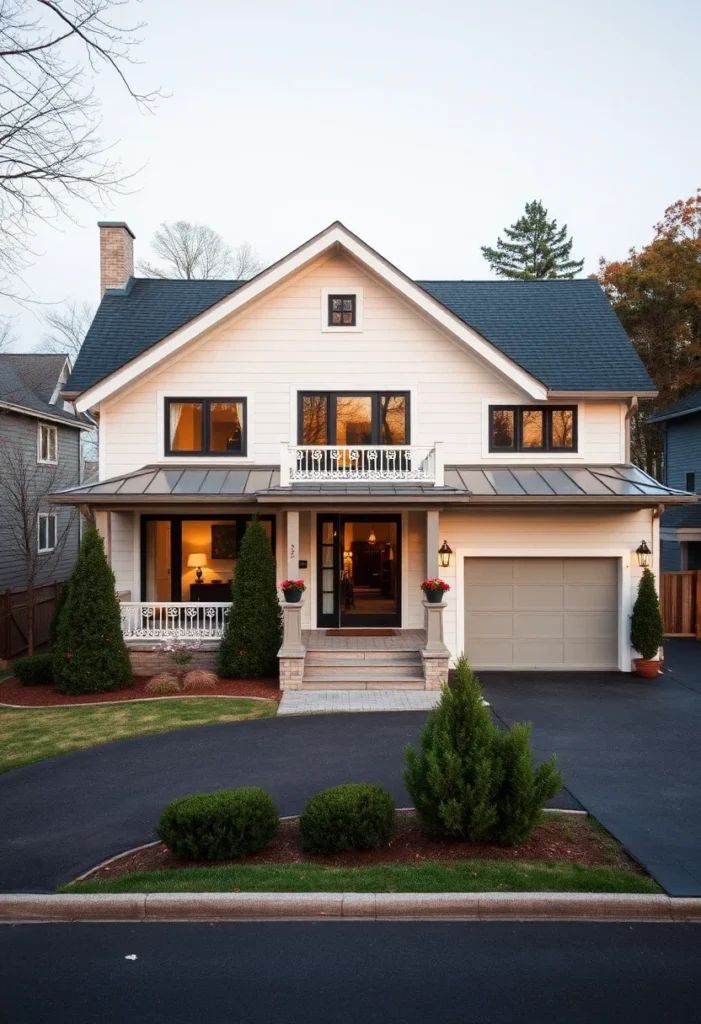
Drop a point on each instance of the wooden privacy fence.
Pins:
(13, 619)
(680, 599)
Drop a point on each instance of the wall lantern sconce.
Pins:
(643, 553)
(444, 553)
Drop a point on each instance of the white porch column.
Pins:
(284, 464)
(432, 544)
(103, 524)
(292, 545)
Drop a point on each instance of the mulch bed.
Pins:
(13, 692)
(559, 838)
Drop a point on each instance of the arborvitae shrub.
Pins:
(470, 780)
(356, 816)
(646, 631)
(253, 631)
(213, 826)
(60, 605)
(37, 670)
(90, 655)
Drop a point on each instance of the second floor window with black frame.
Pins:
(364, 418)
(205, 426)
(342, 310)
(522, 428)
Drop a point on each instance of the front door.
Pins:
(359, 570)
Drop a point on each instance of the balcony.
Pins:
(415, 463)
(173, 620)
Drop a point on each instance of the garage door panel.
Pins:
(488, 596)
(538, 624)
(531, 613)
(590, 596)
(490, 626)
(590, 570)
(539, 597)
(491, 570)
(582, 654)
(537, 570)
(589, 625)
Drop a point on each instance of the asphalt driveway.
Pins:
(629, 750)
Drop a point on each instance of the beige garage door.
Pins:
(547, 613)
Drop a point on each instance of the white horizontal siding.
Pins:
(278, 345)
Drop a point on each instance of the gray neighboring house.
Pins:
(680, 528)
(40, 432)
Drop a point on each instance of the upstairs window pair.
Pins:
(331, 418)
(520, 428)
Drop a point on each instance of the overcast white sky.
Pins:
(424, 127)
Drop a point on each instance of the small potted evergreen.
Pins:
(293, 590)
(434, 590)
(646, 632)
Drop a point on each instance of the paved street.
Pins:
(345, 972)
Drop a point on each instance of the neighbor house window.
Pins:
(370, 418)
(205, 426)
(520, 428)
(46, 532)
(342, 310)
(691, 482)
(47, 444)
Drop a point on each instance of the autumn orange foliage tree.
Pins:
(657, 295)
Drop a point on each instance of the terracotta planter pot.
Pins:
(646, 669)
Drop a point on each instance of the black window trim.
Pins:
(331, 397)
(547, 445)
(692, 477)
(206, 402)
(337, 295)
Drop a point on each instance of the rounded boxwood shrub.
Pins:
(213, 826)
(356, 816)
(37, 670)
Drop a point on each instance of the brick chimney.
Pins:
(116, 254)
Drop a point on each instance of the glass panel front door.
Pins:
(359, 576)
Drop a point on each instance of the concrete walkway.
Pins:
(318, 702)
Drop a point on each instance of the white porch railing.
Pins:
(173, 620)
(301, 463)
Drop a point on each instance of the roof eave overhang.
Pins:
(662, 418)
(594, 393)
(336, 235)
(22, 410)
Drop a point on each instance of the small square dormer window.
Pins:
(342, 310)
(47, 444)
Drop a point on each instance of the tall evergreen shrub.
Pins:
(58, 609)
(646, 630)
(90, 655)
(468, 779)
(253, 631)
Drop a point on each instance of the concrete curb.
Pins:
(245, 906)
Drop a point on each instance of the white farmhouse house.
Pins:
(385, 430)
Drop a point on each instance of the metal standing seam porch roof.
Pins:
(463, 485)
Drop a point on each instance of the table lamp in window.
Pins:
(196, 561)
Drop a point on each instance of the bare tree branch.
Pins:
(196, 251)
(8, 336)
(51, 152)
(66, 328)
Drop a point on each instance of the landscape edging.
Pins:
(24, 908)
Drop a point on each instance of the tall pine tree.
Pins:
(535, 249)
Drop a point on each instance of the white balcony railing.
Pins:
(173, 620)
(303, 463)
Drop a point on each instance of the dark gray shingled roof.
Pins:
(688, 517)
(153, 483)
(564, 333)
(28, 380)
(682, 407)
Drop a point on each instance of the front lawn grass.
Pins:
(430, 876)
(32, 734)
